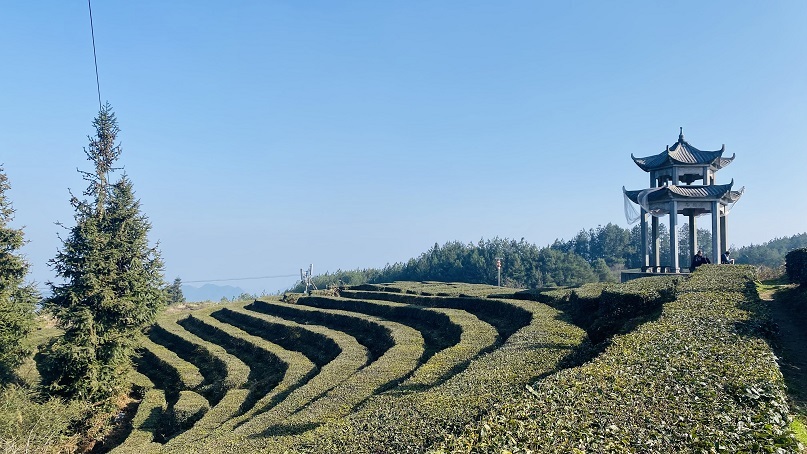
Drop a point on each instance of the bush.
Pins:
(145, 424)
(796, 265)
(347, 357)
(28, 425)
(694, 380)
(184, 413)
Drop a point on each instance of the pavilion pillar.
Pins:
(716, 235)
(673, 236)
(723, 234)
(656, 244)
(645, 244)
(693, 236)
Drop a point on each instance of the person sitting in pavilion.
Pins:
(698, 260)
(725, 259)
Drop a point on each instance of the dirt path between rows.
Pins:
(789, 312)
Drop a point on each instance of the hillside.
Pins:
(655, 364)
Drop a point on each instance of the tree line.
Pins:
(593, 255)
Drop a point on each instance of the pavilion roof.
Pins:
(721, 192)
(682, 153)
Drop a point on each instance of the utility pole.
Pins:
(499, 268)
(307, 277)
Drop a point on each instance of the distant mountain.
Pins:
(210, 292)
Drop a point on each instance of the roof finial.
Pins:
(681, 134)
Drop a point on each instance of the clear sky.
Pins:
(262, 136)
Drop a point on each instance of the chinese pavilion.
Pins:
(672, 192)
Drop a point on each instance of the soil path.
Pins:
(789, 312)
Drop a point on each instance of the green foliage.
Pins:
(17, 300)
(29, 424)
(174, 292)
(184, 413)
(145, 424)
(695, 380)
(796, 265)
(113, 283)
(412, 422)
(604, 274)
(770, 253)
(523, 265)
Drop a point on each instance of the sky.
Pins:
(264, 136)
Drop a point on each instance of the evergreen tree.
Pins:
(174, 292)
(17, 299)
(113, 283)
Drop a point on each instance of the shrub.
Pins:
(349, 357)
(28, 425)
(694, 380)
(184, 413)
(796, 265)
(145, 424)
(387, 370)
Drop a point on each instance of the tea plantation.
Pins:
(653, 365)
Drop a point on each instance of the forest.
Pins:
(593, 255)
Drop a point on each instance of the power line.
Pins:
(95, 58)
(240, 278)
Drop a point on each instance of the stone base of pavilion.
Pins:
(629, 275)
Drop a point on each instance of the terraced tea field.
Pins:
(393, 368)
(680, 365)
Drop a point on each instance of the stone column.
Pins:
(656, 244)
(724, 244)
(716, 235)
(673, 236)
(645, 244)
(693, 236)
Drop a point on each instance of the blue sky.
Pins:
(265, 135)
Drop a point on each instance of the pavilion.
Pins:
(672, 192)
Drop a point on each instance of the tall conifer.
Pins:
(17, 299)
(113, 283)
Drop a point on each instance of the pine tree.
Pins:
(17, 299)
(113, 283)
(174, 292)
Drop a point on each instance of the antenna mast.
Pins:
(307, 277)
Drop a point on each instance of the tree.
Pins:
(174, 292)
(17, 299)
(113, 283)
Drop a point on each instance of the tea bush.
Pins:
(145, 424)
(694, 380)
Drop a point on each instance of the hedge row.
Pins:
(239, 403)
(694, 380)
(506, 318)
(350, 358)
(144, 425)
(438, 331)
(796, 265)
(184, 413)
(173, 373)
(411, 422)
(266, 370)
(477, 337)
(319, 348)
(454, 336)
(236, 372)
(432, 288)
(298, 367)
(392, 367)
(367, 331)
